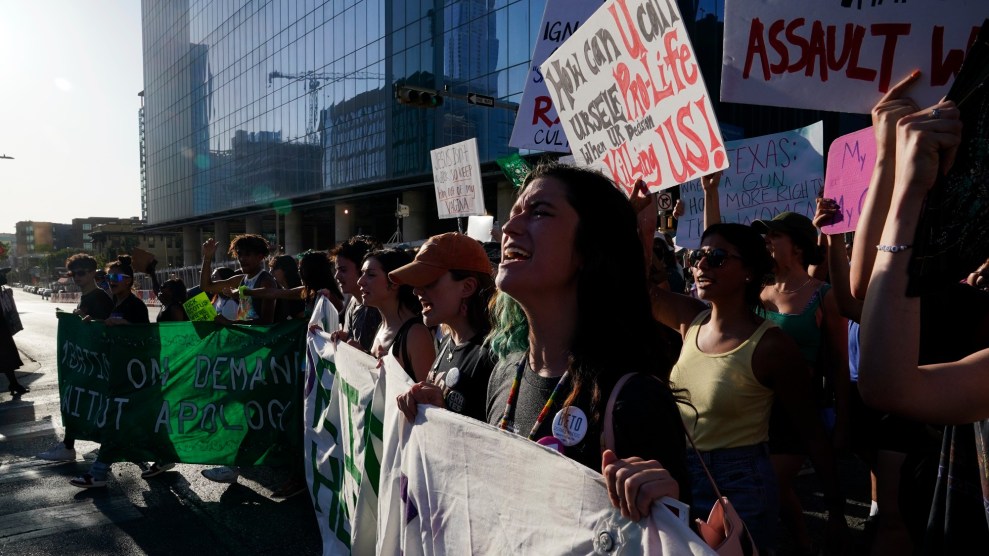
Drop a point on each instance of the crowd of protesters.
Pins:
(769, 346)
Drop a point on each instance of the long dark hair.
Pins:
(611, 289)
(390, 259)
(288, 266)
(316, 271)
(755, 257)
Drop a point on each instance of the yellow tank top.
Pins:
(731, 407)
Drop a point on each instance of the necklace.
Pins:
(514, 392)
(795, 290)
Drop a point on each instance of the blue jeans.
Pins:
(745, 476)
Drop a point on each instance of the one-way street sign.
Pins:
(481, 100)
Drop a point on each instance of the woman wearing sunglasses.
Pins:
(127, 309)
(734, 364)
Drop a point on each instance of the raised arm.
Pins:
(889, 376)
(837, 257)
(206, 273)
(712, 202)
(893, 106)
(274, 293)
(671, 309)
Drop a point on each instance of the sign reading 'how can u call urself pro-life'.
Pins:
(843, 55)
(631, 98)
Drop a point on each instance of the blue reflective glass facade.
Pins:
(250, 103)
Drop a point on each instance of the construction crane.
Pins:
(314, 81)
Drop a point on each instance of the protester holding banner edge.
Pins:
(360, 322)
(452, 277)
(127, 310)
(402, 332)
(94, 304)
(548, 336)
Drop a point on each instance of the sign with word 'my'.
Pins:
(631, 97)
(768, 175)
(843, 55)
(457, 176)
(851, 160)
(537, 126)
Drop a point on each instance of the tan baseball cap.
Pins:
(442, 253)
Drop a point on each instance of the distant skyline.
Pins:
(71, 71)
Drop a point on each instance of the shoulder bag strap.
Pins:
(609, 423)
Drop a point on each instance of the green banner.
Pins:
(189, 392)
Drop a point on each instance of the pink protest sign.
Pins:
(851, 160)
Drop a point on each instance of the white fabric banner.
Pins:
(843, 55)
(340, 449)
(453, 485)
(537, 126)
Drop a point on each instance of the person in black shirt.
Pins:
(127, 309)
(360, 322)
(451, 276)
(94, 304)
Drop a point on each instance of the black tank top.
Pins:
(401, 345)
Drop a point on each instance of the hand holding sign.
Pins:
(893, 106)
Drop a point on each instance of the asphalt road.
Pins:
(180, 511)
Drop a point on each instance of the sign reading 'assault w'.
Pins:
(631, 98)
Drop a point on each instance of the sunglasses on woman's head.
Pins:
(115, 278)
(716, 258)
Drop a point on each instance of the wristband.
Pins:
(892, 248)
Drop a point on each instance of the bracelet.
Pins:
(892, 248)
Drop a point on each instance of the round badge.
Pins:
(452, 377)
(551, 442)
(570, 425)
(455, 401)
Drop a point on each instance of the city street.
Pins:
(180, 511)
(174, 513)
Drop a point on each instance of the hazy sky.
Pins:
(70, 71)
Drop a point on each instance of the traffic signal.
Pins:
(419, 97)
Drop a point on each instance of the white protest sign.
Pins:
(480, 227)
(537, 126)
(457, 176)
(768, 175)
(631, 98)
(843, 55)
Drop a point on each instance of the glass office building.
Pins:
(287, 107)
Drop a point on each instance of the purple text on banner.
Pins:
(851, 160)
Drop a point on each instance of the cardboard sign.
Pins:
(631, 97)
(480, 227)
(851, 160)
(199, 308)
(537, 126)
(768, 175)
(457, 175)
(843, 55)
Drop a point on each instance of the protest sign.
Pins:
(851, 160)
(768, 175)
(631, 98)
(536, 124)
(457, 176)
(840, 55)
(198, 308)
(181, 391)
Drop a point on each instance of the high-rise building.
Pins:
(279, 117)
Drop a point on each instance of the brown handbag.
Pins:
(724, 531)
